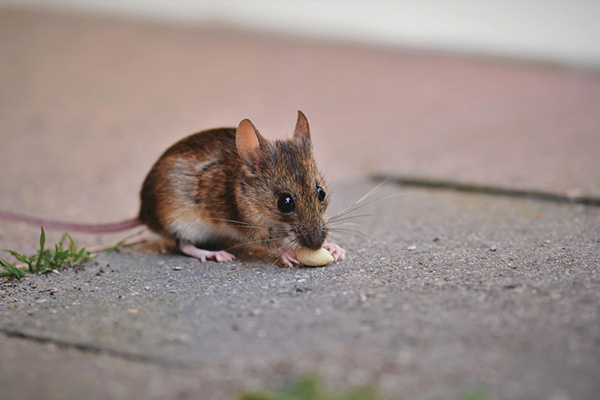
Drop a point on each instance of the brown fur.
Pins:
(231, 186)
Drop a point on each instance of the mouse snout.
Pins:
(311, 238)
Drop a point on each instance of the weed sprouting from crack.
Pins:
(46, 259)
(308, 388)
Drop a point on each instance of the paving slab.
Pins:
(34, 370)
(462, 291)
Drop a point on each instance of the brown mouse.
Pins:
(232, 183)
(237, 184)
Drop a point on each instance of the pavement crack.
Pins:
(440, 184)
(89, 348)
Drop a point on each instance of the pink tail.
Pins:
(58, 225)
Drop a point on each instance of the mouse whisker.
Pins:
(233, 221)
(367, 195)
(277, 253)
(374, 190)
(335, 221)
(357, 206)
(358, 235)
(344, 225)
(247, 225)
(347, 224)
(260, 241)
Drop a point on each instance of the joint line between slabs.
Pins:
(489, 190)
(87, 348)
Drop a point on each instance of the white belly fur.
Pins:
(193, 232)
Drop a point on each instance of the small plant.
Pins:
(10, 270)
(308, 388)
(46, 260)
(476, 394)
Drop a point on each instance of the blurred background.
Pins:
(494, 93)
(559, 31)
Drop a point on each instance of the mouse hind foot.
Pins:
(203, 255)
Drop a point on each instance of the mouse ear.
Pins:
(302, 131)
(247, 141)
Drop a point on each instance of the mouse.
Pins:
(234, 184)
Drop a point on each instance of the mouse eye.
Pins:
(320, 193)
(286, 203)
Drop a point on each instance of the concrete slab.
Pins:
(33, 370)
(468, 291)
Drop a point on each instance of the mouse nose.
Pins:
(311, 238)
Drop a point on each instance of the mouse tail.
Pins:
(72, 227)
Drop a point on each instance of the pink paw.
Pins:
(221, 256)
(203, 255)
(336, 251)
(289, 258)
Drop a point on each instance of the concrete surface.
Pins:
(460, 291)
(453, 314)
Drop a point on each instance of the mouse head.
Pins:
(282, 190)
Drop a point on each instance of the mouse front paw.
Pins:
(288, 258)
(336, 251)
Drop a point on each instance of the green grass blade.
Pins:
(72, 244)
(82, 255)
(41, 250)
(10, 269)
(21, 257)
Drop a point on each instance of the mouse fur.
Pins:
(228, 183)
